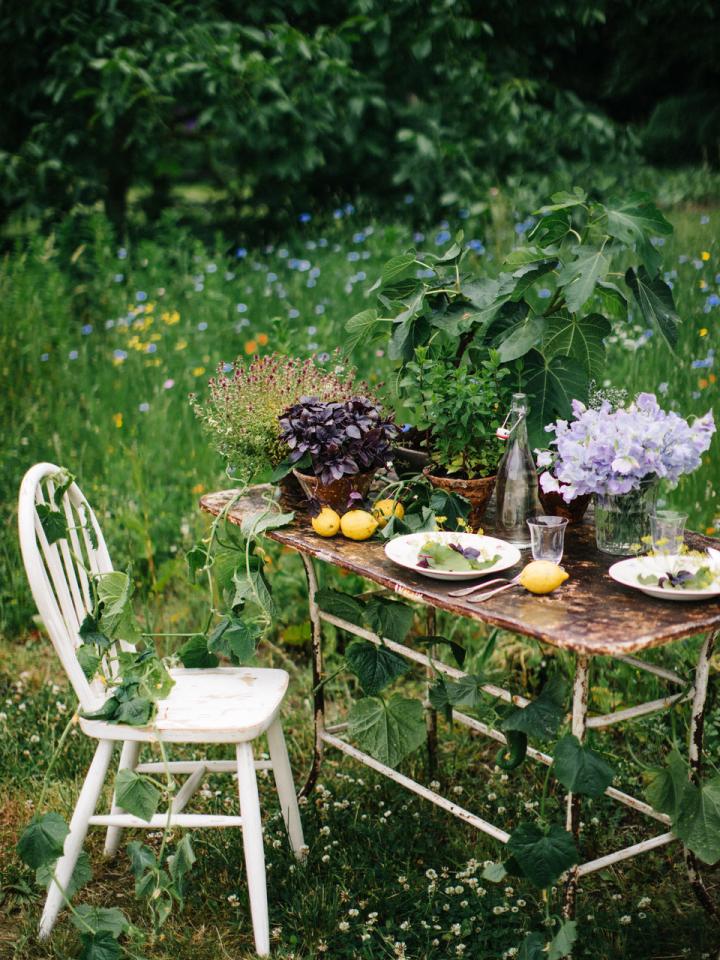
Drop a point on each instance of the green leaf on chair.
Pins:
(579, 769)
(542, 717)
(42, 841)
(114, 591)
(194, 653)
(181, 862)
(374, 666)
(542, 855)
(390, 619)
(388, 730)
(136, 794)
(82, 874)
(91, 634)
(108, 920)
(53, 522)
(89, 661)
(235, 638)
(99, 946)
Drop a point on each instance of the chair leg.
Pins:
(128, 761)
(286, 788)
(253, 846)
(87, 801)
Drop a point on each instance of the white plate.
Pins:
(404, 551)
(626, 572)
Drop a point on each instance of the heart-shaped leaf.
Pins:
(388, 730)
(374, 666)
(136, 794)
(542, 855)
(579, 769)
(390, 619)
(42, 841)
(698, 820)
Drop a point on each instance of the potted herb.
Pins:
(461, 408)
(336, 447)
(552, 304)
(620, 456)
(245, 401)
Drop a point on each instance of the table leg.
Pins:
(317, 677)
(430, 714)
(697, 727)
(579, 723)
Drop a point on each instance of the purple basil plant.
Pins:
(340, 439)
(607, 451)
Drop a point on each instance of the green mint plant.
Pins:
(459, 407)
(549, 309)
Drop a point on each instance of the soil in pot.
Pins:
(337, 493)
(478, 492)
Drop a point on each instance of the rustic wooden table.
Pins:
(591, 616)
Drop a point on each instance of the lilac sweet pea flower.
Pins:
(605, 451)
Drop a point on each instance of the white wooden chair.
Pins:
(223, 705)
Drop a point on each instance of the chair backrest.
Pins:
(59, 572)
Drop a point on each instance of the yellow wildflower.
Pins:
(118, 420)
(181, 344)
(198, 371)
(154, 337)
(198, 488)
(149, 307)
(170, 317)
(705, 255)
(703, 331)
(702, 284)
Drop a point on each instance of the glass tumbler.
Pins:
(667, 528)
(547, 537)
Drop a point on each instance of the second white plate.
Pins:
(404, 551)
(627, 571)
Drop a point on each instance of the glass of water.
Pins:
(547, 537)
(667, 528)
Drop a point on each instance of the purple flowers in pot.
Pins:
(339, 439)
(607, 451)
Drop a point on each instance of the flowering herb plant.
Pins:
(244, 403)
(612, 452)
(337, 439)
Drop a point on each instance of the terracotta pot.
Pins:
(408, 458)
(478, 492)
(554, 505)
(337, 493)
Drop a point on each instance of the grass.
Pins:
(91, 383)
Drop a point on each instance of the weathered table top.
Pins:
(589, 613)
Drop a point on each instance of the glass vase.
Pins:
(622, 520)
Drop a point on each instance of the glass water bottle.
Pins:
(517, 482)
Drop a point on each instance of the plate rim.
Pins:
(653, 591)
(453, 574)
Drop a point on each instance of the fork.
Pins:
(491, 593)
(466, 591)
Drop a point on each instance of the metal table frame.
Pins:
(329, 736)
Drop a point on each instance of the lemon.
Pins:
(326, 523)
(358, 524)
(383, 510)
(542, 576)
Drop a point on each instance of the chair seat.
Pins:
(219, 705)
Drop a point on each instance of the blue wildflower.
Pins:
(120, 354)
(657, 241)
(199, 287)
(359, 237)
(353, 256)
(704, 219)
(338, 214)
(305, 217)
(409, 198)
(271, 277)
(241, 307)
(86, 329)
(202, 325)
(544, 293)
(151, 348)
(73, 355)
(143, 407)
(140, 296)
(241, 253)
(442, 237)
(293, 313)
(476, 245)
(312, 331)
(44, 357)
(418, 237)
(122, 253)
(319, 309)
(211, 268)
(119, 277)
(349, 208)
(713, 300)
